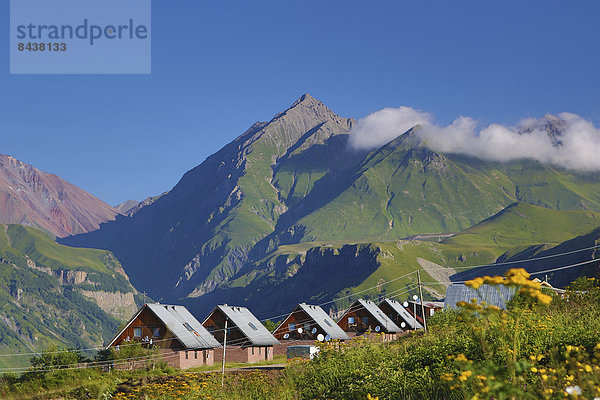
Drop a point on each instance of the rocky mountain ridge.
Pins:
(31, 197)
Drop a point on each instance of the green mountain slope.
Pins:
(403, 189)
(53, 294)
(522, 224)
(564, 262)
(294, 273)
(294, 180)
(201, 232)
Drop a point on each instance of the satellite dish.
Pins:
(403, 325)
(405, 304)
(320, 337)
(327, 337)
(300, 330)
(286, 336)
(377, 328)
(314, 330)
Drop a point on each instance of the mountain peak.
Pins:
(306, 99)
(308, 107)
(32, 197)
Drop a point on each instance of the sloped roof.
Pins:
(181, 323)
(383, 320)
(406, 316)
(174, 318)
(248, 324)
(321, 318)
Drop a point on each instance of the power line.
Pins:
(530, 273)
(517, 261)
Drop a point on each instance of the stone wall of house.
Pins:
(245, 354)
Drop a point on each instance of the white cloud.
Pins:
(579, 147)
(378, 128)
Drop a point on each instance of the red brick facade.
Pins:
(250, 354)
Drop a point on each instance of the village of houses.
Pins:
(235, 333)
(184, 342)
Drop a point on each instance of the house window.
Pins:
(137, 332)
(186, 355)
(365, 320)
(195, 354)
(259, 351)
(291, 326)
(351, 320)
(155, 332)
(253, 351)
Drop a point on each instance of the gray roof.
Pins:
(404, 314)
(248, 324)
(174, 318)
(320, 317)
(492, 295)
(383, 320)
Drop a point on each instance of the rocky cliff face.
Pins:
(315, 276)
(53, 294)
(31, 197)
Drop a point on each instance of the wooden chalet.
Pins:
(364, 317)
(431, 307)
(247, 339)
(400, 315)
(307, 322)
(181, 338)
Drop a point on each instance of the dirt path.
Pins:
(437, 272)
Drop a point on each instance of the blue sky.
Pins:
(220, 66)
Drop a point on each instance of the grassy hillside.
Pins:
(56, 295)
(522, 224)
(294, 273)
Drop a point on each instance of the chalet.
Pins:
(431, 307)
(308, 322)
(247, 339)
(400, 315)
(181, 338)
(364, 316)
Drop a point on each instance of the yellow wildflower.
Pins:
(465, 375)
(475, 283)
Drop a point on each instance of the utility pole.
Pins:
(224, 347)
(422, 305)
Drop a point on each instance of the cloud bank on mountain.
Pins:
(568, 140)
